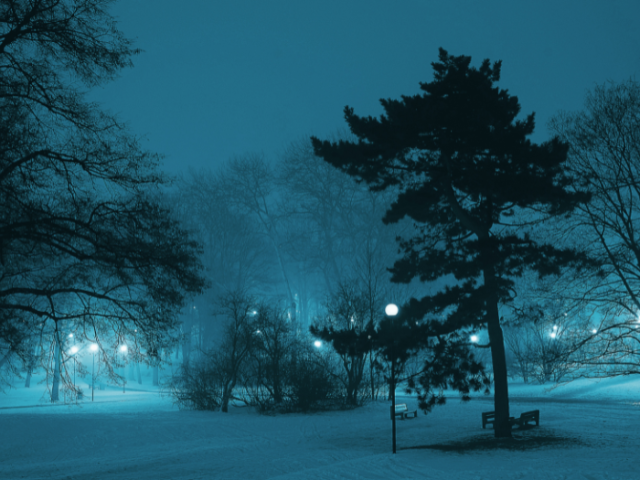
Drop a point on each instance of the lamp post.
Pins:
(391, 310)
(94, 349)
(123, 349)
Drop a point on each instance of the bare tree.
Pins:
(347, 316)
(235, 255)
(275, 350)
(322, 201)
(250, 185)
(84, 241)
(605, 158)
(230, 357)
(255, 352)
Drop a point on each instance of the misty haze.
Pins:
(319, 240)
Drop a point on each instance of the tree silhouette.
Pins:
(84, 240)
(446, 360)
(471, 181)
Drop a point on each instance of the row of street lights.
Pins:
(94, 348)
(552, 334)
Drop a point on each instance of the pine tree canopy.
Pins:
(465, 169)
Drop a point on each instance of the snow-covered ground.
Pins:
(588, 431)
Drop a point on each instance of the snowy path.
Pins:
(151, 440)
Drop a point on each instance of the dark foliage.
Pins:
(84, 240)
(466, 173)
(447, 359)
(310, 387)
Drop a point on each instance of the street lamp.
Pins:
(392, 310)
(123, 349)
(94, 349)
(317, 343)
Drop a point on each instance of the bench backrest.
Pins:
(401, 407)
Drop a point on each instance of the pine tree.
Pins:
(469, 178)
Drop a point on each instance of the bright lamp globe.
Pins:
(391, 309)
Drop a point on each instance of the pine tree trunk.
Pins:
(502, 427)
(138, 372)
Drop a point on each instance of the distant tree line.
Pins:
(442, 205)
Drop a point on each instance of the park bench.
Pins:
(403, 412)
(523, 420)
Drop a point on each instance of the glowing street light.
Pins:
(474, 338)
(391, 310)
(552, 334)
(317, 344)
(94, 349)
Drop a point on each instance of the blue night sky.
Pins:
(219, 78)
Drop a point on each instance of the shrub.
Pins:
(196, 386)
(310, 387)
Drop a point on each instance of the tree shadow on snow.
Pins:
(521, 441)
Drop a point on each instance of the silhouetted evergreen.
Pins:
(446, 360)
(469, 177)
